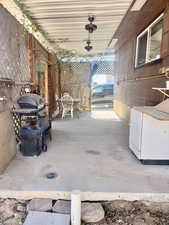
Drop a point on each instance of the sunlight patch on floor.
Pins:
(104, 115)
(97, 106)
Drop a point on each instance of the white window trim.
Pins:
(147, 30)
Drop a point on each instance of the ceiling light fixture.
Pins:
(88, 47)
(90, 28)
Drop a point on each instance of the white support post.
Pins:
(75, 208)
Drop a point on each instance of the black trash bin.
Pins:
(31, 140)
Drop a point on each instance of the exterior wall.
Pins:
(53, 84)
(13, 53)
(18, 54)
(46, 84)
(134, 85)
(7, 140)
(13, 65)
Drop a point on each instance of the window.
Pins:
(142, 48)
(149, 43)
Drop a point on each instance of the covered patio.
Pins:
(89, 154)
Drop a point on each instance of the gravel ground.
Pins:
(118, 212)
(135, 213)
(12, 211)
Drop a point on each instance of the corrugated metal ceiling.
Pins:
(63, 21)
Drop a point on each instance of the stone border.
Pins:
(85, 196)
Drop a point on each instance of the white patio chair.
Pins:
(67, 105)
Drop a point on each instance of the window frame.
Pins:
(148, 31)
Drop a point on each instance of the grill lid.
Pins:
(30, 101)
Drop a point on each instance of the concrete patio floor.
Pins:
(90, 154)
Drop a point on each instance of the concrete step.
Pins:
(45, 218)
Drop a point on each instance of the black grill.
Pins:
(35, 130)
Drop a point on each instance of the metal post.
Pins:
(75, 208)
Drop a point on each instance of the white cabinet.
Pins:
(149, 134)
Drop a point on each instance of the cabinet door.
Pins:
(135, 132)
(155, 139)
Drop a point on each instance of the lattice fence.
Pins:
(14, 62)
(102, 67)
(13, 51)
